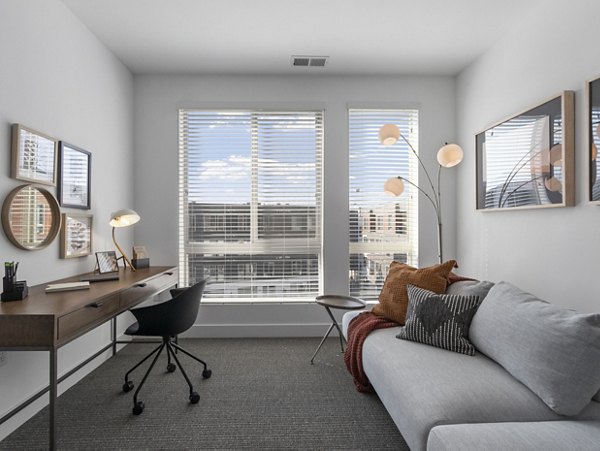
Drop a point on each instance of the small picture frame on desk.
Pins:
(107, 262)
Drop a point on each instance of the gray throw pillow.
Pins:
(440, 320)
(470, 287)
(553, 351)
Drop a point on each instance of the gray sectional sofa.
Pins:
(549, 363)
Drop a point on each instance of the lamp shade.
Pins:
(124, 218)
(394, 186)
(450, 155)
(389, 134)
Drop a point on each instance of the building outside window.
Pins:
(250, 203)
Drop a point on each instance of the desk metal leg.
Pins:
(113, 334)
(53, 395)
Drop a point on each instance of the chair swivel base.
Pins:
(171, 346)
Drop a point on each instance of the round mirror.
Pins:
(30, 217)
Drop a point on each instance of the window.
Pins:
(250, 203)
(382, 228)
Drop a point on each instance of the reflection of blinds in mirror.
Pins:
(595, 168)
(30, 217)
(516, 160)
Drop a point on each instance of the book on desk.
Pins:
(67, 286)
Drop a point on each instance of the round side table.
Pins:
(330, 301)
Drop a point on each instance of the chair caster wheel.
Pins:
(206, 374)
(171, 367)
(194, 397)
(138, 408)
(127, 386)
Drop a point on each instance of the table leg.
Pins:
(334, 323)
(53, 395)
(321, 344)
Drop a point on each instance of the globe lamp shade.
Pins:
(394, 186)
(450, 155)
(389, 134)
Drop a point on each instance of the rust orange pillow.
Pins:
(393, 299)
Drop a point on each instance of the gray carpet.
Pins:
(263, 394)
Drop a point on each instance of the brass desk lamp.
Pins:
(123, 218)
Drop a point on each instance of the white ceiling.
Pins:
(260, 36)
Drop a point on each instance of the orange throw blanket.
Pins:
(358, 329)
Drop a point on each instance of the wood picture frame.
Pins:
(75, 177)
(33, 156)
(76, 235)
(528, 160)
(593, 124)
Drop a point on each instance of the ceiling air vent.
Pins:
(309, 61)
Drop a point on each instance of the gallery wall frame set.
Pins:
(528, 160)
(43, 160)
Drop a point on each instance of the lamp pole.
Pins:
(435, 201)
(448, 156)
(436, 207)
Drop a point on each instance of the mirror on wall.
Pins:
(30, 217)
(527, 161)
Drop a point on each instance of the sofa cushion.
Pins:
(440, 320)
(393, 299)
(422, 387)
(553, 351)
(542, 435)
(469, 287)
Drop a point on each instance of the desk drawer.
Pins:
(86, 317)
(143, 290)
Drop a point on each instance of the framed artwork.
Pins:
(76, 235)
(75, 176)
(593, 98)
(107, 261)
(528, 160)
(33, 156)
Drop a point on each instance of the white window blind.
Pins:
(382, 228)
(250, 203)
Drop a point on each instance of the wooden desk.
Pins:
(47, 321)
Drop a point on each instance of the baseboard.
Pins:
(257, 330)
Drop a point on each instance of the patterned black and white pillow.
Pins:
(440, 320)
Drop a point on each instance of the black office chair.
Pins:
(167, 320)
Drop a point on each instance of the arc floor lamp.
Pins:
(448, 156)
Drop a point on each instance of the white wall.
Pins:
(157, 100)
(56, 78)
(552, 253)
